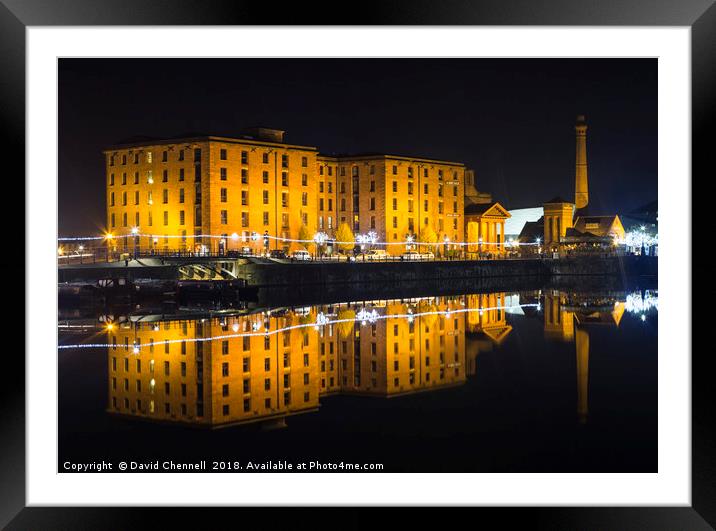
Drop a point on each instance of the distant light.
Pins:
(135, 230)
(234, 236)
(135, 349)
(110, 326)
(109, 236)
(235, 327)
(643, 317)
(538, 240)
(81, 248)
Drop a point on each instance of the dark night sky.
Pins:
(511, 120)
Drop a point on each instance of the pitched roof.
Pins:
(532, 230)
(483, 208)
(596, 225)
(557, 199)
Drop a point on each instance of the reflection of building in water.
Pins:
(399, 354)
(558, 321)
(177, 374)
(485, 328)
(568, 316)
(199, 372)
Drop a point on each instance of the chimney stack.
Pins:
(581, 186)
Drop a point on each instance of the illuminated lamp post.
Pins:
(135, 231)
(320, 238)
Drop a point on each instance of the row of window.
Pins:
(223, 155)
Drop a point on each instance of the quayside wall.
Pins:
(295, 275)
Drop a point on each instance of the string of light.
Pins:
(360, 239)
(363, 317)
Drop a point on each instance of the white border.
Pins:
(670, 486)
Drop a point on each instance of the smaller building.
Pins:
(485, 229)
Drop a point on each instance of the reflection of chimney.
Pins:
(582, 343)
(581, 187)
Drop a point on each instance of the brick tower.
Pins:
(581, 186)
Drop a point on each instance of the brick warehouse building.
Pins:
(181, 190)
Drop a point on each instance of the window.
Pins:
(266, 218)
(165, 196)
(224, 347)
(111, 179)
(166, 217)
(304, 179)
(224, 217)
(149, 157)
(222, 154)
(265, 177)
(165, 176)
(136, 177)
(225, 369)
(223, 173)
(265, 158)
(304, 162)
(181, 195)
(181, 154)
(164, 156)
(244, 219)
(224, 195)
(181, 174)
(304, 200)
(181, 217)
(244, 157)
(284, 178)
(395, 170)
(265, 197)
(244, 197)
(124, 178)
(284, 161)
(244, 176)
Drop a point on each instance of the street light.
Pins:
(135, 231)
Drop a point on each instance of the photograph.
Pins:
(357, 265)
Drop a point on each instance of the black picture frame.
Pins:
(699, 15)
